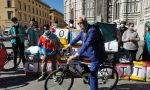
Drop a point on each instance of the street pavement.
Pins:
(17, 80)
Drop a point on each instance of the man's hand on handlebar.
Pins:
(73, 57)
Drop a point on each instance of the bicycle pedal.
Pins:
(85, 80)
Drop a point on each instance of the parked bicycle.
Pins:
(9, 64)
(63, 77)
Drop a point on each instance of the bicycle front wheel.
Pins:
(59, 80)
(107, 78)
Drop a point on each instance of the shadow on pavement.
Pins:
(12, 72)
(15, 80)
(133, 86)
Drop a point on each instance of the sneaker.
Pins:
(41, 78)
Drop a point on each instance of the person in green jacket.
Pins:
(32, 34)
(146, 48)
(17, 34)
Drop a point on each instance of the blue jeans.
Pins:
(93, 75)
(94, 65)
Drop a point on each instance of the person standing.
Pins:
(146, 48)
(130, 40)
(49, 45)
(32, 34)
(17, 34)
(121, 29)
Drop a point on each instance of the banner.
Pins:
(139, 71)
(31, 67)
(124, 71)
(148, 72)
(63, 35)
(73, 34)
(111, 46)
(123, 57)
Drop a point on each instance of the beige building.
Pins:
(24, 10)
(56, 16)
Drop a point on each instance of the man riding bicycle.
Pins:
(92, 47)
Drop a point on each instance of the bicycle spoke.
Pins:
(107, 78)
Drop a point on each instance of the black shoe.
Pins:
(41, 78)
(85, 80)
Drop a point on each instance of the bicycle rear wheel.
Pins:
(107, 78)
(9, 64)
(59, 80)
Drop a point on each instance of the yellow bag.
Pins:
(63, 41)
(139, 71)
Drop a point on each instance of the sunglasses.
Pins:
(79, 23)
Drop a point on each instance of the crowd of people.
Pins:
(92, 43)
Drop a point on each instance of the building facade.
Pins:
(125, 10)
(24, 10)
(76, 8)
(136, 11)
(109, 11)
(55, 15)
(94, 10)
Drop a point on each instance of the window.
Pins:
(40, 21)
(29, 8)
(20, 15)
(30, 17)
(9, 3)
(40, 12)
(19, 4)
(25, 7)
(33, 9)
(32, 2)
(25, 17)
(10, 15)
(37, 11)
(43, 21)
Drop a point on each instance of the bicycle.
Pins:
(9, 63)
(107, 77)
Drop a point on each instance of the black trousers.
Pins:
(18, 47)
(133, 54)
(146, 54)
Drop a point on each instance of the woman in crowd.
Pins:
(146, 49)
(130, 40)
